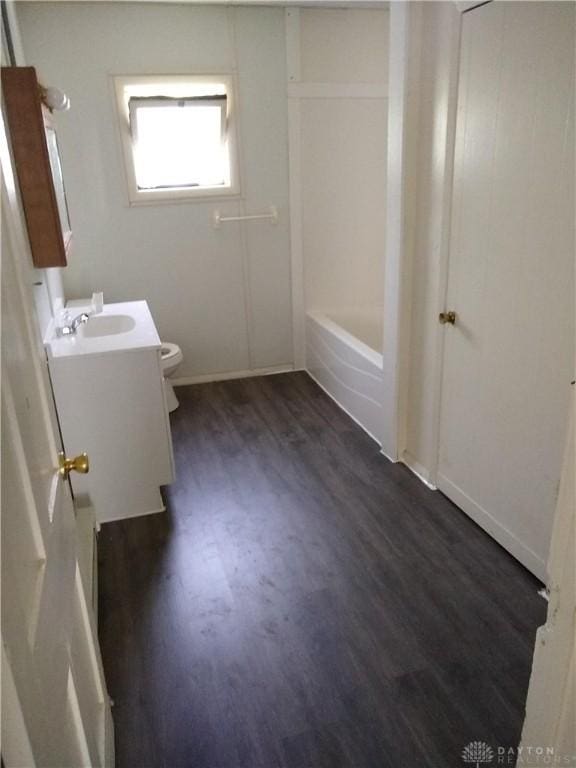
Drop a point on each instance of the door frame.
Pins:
(404, 93)
(551, 698)
(433, 449)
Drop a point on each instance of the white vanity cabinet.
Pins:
(109, 393)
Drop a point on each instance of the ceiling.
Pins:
(279, 3)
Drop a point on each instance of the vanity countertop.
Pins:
(119, 327)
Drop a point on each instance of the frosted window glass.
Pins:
(180, 145)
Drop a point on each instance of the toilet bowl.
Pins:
(171, 357)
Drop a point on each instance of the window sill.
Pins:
(205, 196)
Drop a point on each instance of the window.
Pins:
(178, 136)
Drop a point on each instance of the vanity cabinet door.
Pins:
(112, 406)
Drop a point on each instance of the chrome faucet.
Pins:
(71, 328)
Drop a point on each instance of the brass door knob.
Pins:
(79, 463)
(447, 317)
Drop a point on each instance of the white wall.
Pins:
(343, 156)
(223, 295)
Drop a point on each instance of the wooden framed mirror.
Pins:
(37, 161)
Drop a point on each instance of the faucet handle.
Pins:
(63, 316)
(63, 323)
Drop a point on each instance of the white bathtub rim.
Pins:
(376, 358)
(371, 318)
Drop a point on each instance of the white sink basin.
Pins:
(119, 327)
(107, 325)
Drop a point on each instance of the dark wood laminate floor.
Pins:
(304, 603)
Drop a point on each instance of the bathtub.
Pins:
(343, 355)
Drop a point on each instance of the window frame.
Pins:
(126, 88)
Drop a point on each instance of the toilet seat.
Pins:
(171, 354)
(170, 358)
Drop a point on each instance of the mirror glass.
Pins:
(54, 156)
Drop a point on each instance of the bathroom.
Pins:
(232, 284)
(294, 413)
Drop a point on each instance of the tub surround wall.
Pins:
(365, 324)
(222, 295)
(343, 201)
(337, 87)
(342, 92)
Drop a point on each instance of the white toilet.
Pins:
(171, 357)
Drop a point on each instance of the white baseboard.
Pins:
(503, 536)
(417, 469)
(184, 381)
(390, 459)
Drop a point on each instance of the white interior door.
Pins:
(55, 710)
(509, 357)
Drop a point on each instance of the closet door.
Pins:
(509, 356)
